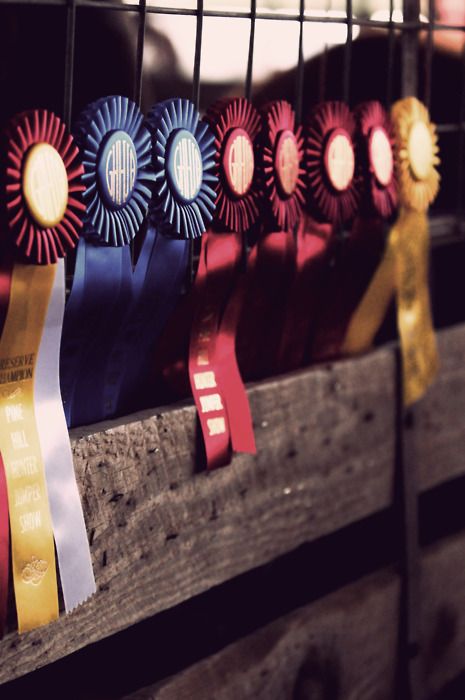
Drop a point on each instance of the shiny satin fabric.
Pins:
(33, 554)
(69, 528)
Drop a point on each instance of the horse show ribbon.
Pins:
(117, 176)
(235, 124)
(271, 262)
(416, 158)
(333, 198)
(378, 204)
(182, 208)
(42, 220)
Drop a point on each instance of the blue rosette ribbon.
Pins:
(184, 164)
(182, 207)
(116, 155)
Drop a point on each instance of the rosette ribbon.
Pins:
(118, 177)
(416, 158)
(181, 208)
(213, 370)
(372, 268)
(334, 197)
(271, 261)
(42, 220)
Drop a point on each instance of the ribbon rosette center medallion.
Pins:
(45, 184)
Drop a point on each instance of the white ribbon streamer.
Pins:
(69, 528)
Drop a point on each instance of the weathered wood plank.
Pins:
(440, 417)
(342, 646)
(162, 533)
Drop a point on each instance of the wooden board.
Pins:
(161, 532)
(342, 646)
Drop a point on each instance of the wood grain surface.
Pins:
(162, 532)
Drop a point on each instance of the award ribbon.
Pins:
(379, 202)
(271, 263)
(118, 178)
(333, 198)
(43, 206)
(182, 207)
(235, 124)
(416, 153)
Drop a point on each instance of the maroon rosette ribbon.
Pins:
(272, 260)
(375, 149)
(369, 199)
(235, 124)
(282, 165)
(222, 403)
(39, 242)
(330, 163)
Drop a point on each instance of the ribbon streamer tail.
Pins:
(75, 565)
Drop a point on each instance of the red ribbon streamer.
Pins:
(351, 274)
(6, 269)
(312, 254)
(270, 270)
(215, 379)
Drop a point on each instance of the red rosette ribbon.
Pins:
(331, 163)
(41, 218)
(375, 150)
(357, 260)
(214, 374)
(271, 263)
(42, 242)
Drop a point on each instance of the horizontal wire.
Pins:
(296, 17)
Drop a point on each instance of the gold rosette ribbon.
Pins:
(416, 152)
(40, 219)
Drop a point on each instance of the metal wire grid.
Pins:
(409, 30)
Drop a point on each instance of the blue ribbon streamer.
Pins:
(157, 283)
(91, 315)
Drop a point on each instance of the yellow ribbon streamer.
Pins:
(416, 161)
(420, 361)
(369, 315)
(33, 555)
(403, 271)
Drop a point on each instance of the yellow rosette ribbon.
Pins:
(41, 221)
(416, 152)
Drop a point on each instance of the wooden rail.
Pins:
(342, 646)
(162, 533)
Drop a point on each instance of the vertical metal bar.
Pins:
(411, 12)
(69, 60)
(140, 52)
(391, 49)
(196, 101)
(323, 64)
(429, 55)
(197, 55)
(248, 95)
(348, 52)
(249, 73)
(299, 88)
(409, 676)
(461, 149)
(407, 456)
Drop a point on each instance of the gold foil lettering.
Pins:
(19, 440)
(30, 521)
(14, 412)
